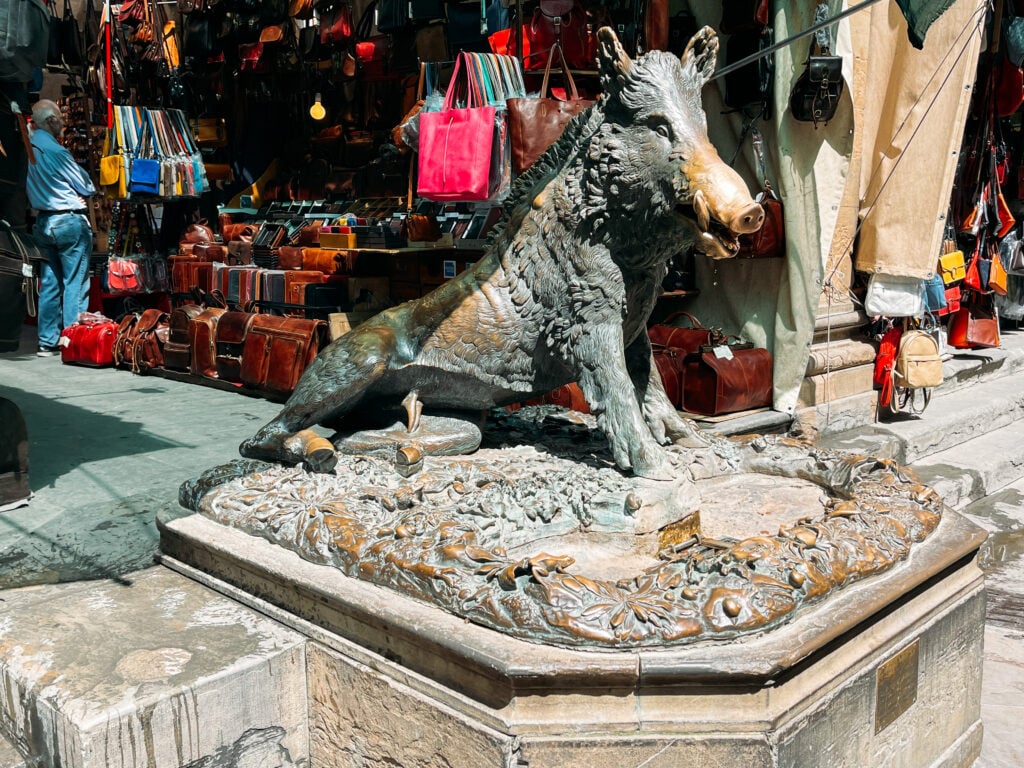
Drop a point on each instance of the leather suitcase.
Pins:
(277, 351)
(178, 349)
(232, 329)
(202, 335)
(714, 385)
(89, 344)
(670, 362)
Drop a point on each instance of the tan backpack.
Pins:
(918, 367)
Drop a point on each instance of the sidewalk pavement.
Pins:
(108, 450)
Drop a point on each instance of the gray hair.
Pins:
(44, 109)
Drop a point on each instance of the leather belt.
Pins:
(81, 211)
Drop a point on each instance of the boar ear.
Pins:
(701, 54)
(612, 61)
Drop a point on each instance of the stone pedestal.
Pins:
(885, 672)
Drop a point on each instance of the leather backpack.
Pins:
(277, 350)
(202, 336)
(146, 349)
(232, 328)
(178, 349)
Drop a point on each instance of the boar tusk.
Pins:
(700, 206)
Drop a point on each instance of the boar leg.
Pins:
(329, 387)
(661, 415)
(608, 389)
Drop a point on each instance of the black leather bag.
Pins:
(816, 93)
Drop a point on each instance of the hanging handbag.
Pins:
(70, 40)
(336, 24)
(24, 36)
(815, 95)
(1011, 253)
(952, 301)
(727, 379)
(457, 146)
(770, 240)
(894, 296)
(534, 124)
(935, 294)
(997, 275)
(554, 21)
(952, 267)
(975, 324)
(123, 275)
(144, 178)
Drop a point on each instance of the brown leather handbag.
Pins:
(198, 233)
(202, 336)
(535, 124)
(232, 328)
(178, 349)
(277, 350)
(974, 326)
(717, 382)
(770, 240)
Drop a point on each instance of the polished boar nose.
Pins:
(748, 220)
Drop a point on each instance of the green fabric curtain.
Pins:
(921, 14)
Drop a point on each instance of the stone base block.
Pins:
(150, 670)
(886, 672)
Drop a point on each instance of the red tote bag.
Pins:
(457, 146)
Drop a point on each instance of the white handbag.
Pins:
(892, 296)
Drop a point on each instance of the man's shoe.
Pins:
(45, 351)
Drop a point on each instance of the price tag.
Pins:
(26, 269)
(723, 352)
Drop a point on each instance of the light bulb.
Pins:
(317, 111)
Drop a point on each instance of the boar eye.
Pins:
(663, 129)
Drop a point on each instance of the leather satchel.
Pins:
(727, 379)
(178, 349)
(535, 124)
(670, 362)
(974, 325)
(123, 339)
(815, 95)
(277, 350)
(232, 328)
(90, 344)
(147, 345)
(202, 337)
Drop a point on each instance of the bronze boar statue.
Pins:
(567, 284)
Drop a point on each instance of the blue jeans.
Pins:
(64, 284)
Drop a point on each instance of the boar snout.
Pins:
(748, 220)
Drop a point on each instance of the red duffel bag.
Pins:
(90, 341)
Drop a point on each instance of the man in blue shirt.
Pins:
(57, 188)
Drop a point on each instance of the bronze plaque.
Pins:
(896, 686)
